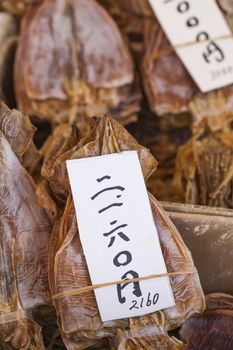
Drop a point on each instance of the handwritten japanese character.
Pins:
(113, 233)
(126, 254)
(106, 177)
(213, 51)
(110, 206)
(136, 286)
(120, 188)
(111, 188)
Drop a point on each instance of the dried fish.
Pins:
(19, 132)
(83, 66)
(23, 254)
(24, 237)
(78, 316)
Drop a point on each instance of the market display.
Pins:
(88, 78)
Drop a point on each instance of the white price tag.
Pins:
(209, 60)
(118, 234)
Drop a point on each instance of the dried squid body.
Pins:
(24, 238)
(78, 315)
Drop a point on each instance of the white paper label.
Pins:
(118, 234)
(209, 61)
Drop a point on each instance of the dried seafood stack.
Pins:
(80, 67)
(24, 237)
(78, 315)
(213, 329)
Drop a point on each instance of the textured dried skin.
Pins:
(46, 201)
(79, 319)
(204, 171)
(66, 141)
(144, 338)
(186, 289)
(83, 66)
(220, 301)
(21, 335)
(61, 140)
(30, 159)
(78, 316)
(213, 329)
(98, 136)
(168, 86)
(24, 238)
(17, 129)
(19, 132)
(216, 104)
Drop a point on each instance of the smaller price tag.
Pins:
(199, 26)
(118, 235)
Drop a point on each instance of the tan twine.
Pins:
(78, 291)
(169, 50)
